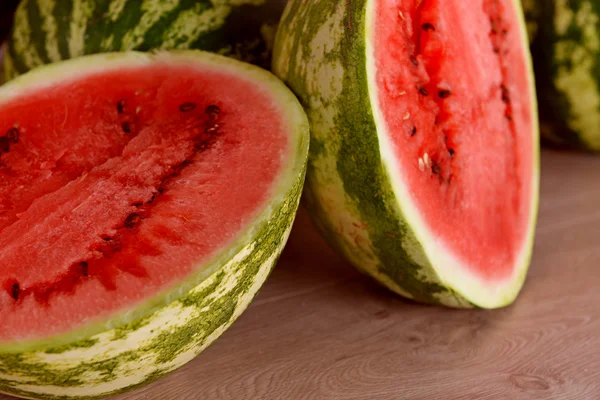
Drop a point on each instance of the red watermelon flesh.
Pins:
(115, 185)
(463, 143)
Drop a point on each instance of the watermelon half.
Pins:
(46, 31)
(424, 164)
(144, 200)
(566, 54)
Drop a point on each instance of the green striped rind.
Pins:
(321, 52)
(566, 53)
(51, 30)
(168, 331)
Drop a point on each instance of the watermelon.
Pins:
(566, 55)
(50, 30)
(424, 163)
(144, 199)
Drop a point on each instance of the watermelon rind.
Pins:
(47, 31)
(165, 332)
(323, 51)
(566, 54)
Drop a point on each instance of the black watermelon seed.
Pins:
(444, 94)
(435, 168)
(186, 107)
(121, 106)
(428, 27)
(4, 144)
(451, 152)
(84, 268)
(423, 91)
(494, 27)
(13, 135)
(414, 60)
(414, 131)
(126, 126)
(213, 111)
(132, 220)
(15, 291)
(505, 94)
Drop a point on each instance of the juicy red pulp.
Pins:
(120, 184)
(455, 96)
(120, 251)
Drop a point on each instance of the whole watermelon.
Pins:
(51, 30)
(566, 54)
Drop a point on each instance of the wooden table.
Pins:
(319, 330)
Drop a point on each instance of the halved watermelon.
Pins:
(424, 156)
(144, 200)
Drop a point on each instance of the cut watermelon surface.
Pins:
(424, 168)
(129, 183)
(469, 124)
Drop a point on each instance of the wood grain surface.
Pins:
(320, 330)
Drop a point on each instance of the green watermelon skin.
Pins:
(51, 30)
(565, 44)
(136, 348)
(320, 52)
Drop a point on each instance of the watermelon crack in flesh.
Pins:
(144, 200)
(425, 152)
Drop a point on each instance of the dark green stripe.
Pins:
(235, 29)
(129, 19)
(18, 63)
(556, 108)
(38, 35)
(98, 27)
(154, 36)
(241, 32)
(63, 13)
